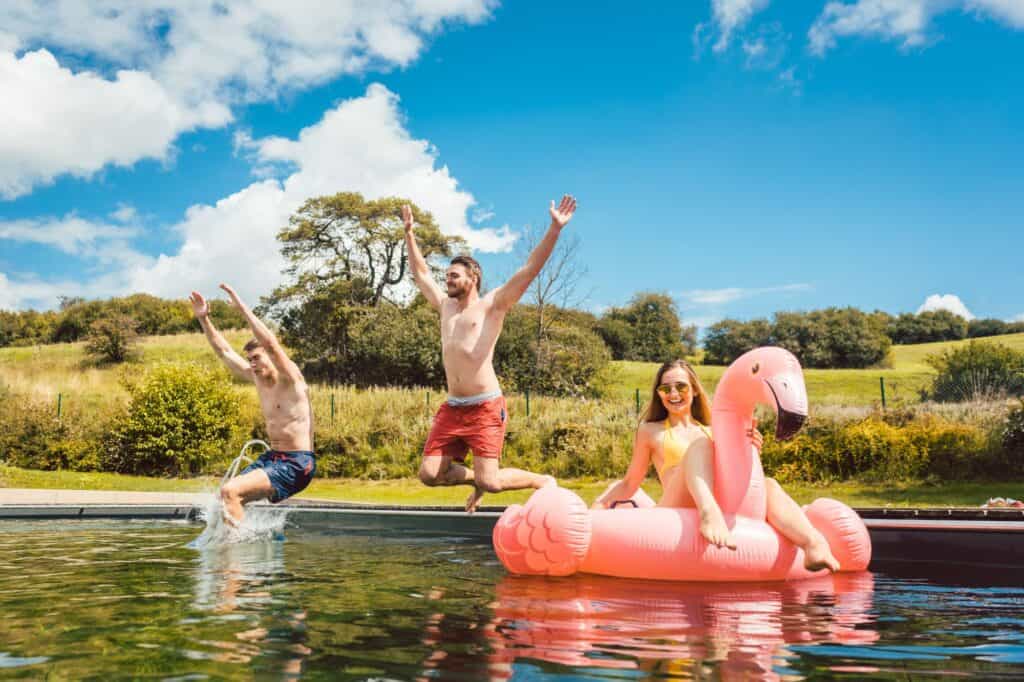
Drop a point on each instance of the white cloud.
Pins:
(170, 67)
(360, 145)
(1018, 318)
(30, 292)
(907, 21)
(57, 121)
(70, 234)
(482, 215)
(728, 16)
(731, 294)
(125, 214)
(948, 302)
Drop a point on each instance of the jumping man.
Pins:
(289, 466)
(473, 417)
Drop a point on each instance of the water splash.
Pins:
(262, 523)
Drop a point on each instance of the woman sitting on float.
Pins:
(719, 519)
(675, 435)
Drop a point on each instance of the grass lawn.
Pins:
(45, 371)
(411, 491)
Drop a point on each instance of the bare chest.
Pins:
(463, 325)
(284, 402)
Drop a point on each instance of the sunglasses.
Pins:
(681, 387)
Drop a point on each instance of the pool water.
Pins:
(128, 600)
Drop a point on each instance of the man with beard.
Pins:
(473, 417)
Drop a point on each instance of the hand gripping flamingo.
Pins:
(555, 533)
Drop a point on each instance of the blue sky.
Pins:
(745, 156)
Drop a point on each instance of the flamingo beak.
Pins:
(790, 405)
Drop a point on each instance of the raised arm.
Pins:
(509, 293)
(266, 338)
(236, 364)
(418, 264)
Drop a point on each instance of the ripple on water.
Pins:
(328, 605)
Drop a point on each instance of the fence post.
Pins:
(332, 408)
(59, 397)
(527, 402)
(881, 384)
(637, 401)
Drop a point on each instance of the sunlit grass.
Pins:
(410, 491)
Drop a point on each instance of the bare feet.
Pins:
(473, 501)
(714, 530)
(818, 555)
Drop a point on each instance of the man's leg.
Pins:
(492, 479)
(786, 516)
(443, 470)
(240, 490)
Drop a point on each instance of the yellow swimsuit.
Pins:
(673, 451)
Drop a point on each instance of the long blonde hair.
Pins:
(700, 406)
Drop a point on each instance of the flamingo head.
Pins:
(770, 375)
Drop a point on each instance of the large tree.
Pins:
(647, 328)
(346, 264)
(346, 238)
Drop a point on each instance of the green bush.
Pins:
(1011, 434)
(566, 362)
(915, 447)
(979, 370)
(112, 339)
(32, 437)
(180, 418)
(393, 346)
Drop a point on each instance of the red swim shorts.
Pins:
(456, 430)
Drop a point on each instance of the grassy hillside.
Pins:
(45, 371)
(903, 380)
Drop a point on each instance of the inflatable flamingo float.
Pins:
(555, 533)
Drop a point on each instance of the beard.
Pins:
(458, 290)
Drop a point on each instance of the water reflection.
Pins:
(241, 583)
(738, 631)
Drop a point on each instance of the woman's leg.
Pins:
(691, 485)
(786, 516)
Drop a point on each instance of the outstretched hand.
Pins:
(563, 213)
(200, 308)
(407, 217)
(235, 300)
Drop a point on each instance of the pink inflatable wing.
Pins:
(556, 534)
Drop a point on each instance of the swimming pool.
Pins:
(124, 599)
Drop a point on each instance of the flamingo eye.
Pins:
(756, 368)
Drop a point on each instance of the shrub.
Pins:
(112, 339)
(32, 437)
(979, 370)
(393, 346)
(1011, 433)
(566, 362)
(180, 418)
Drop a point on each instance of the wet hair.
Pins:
(475, 271)
(252, 345)
(700, 405)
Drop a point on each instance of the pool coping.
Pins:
(975, 536)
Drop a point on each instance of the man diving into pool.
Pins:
(473, 417)
(288, 467)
